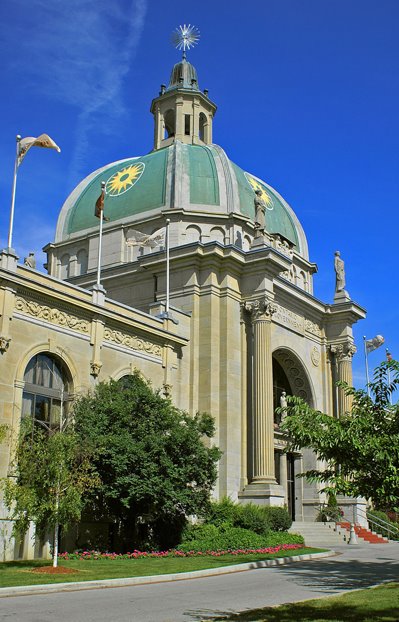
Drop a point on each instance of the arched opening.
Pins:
(64, 266)
(203, 126)
(289, 377)
(170, 123)
(47, 391)
(193, 234)
(217, 234)
(82, 261)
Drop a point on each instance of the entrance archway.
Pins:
(289, 375)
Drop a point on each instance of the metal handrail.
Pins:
(379, 522)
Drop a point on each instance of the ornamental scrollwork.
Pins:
(132, 342)
(52, 315)
(312, 327)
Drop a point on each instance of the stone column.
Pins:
(283, 475)
(343, 357)
(263, 429)
(263, 487)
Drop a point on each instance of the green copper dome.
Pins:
(199, 179)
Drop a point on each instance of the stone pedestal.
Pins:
(9, 259)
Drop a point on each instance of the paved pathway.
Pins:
(214, 597)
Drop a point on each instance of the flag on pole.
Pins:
(99, 207)
(374, 343)
(389, 355)
(30, 141)
(136, 238)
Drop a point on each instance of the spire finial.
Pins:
(185, 37)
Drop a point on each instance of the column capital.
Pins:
(260, 308)
(343, 351)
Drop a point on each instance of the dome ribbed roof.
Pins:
(199, 179)
(184, 75)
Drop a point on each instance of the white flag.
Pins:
(43, 140)
(136, 238)
(374, 343)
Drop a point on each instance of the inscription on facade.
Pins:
(289, 318)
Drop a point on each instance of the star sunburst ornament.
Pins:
(256, 185)
(185, 37)
(121, 181)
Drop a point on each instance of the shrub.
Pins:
(379, 514)
(278, 518)
(275, 538)
(220, 512)
(212, 538)
(252, 517)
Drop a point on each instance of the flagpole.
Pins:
(14, 187)
(167, 267)
(367, 366)
(100, 239)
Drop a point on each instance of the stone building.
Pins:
(237, 327)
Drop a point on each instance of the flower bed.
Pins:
(271, 550)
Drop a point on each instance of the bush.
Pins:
(379, 514)
(278, 518)
(211, 538)
(260, 519)
(251, 517)
(220, 512)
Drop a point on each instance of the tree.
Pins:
(360, 448)
(155, 462)
(49, 476)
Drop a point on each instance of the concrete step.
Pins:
(320, 534)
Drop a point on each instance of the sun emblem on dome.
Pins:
(256, 185)
(121, 181)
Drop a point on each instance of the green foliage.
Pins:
(155, 463)
(260, 519)
(360, 448)
(206, 537)
(212, 538)
(380, 528)
(49, 476)
(278, 518)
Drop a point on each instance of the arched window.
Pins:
(217, 234)
(47, 391)
(64, 269)
(193, 234)
(203, 122)
(170, 123)
(82, 261)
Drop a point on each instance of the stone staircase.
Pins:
(321, 535)
(364, 534)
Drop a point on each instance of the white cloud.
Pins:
(80, 52)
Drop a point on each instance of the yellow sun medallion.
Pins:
(121, 181)
(256, 185)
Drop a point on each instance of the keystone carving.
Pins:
(95, 368)
(4, 344)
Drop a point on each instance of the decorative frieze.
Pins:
(313, 328)
(52, 315)
(290, 318)
(132, 341)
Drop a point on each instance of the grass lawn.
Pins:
(20, 572)
(379, 604)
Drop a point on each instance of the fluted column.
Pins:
(343, 353)
(263, 430)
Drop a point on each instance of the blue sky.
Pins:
(308, 99)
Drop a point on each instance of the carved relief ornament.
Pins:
(4, 344)
(95, 368)
(261, 308)
(52, 315)
(132, 342)
(343, 351)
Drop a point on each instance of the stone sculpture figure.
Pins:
(283, 406)
(339, 272)
(260, 210)
(30, 261)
